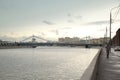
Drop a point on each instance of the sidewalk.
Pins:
(109, 69)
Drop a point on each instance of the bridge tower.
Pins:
(34, 39)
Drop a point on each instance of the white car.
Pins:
(117, 48)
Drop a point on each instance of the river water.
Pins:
(45, 63)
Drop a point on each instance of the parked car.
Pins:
(117, 48)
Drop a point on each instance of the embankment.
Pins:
(91, 72)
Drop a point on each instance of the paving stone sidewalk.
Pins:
(109, 69)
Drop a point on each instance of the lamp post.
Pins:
(110, 30)
(110, 42)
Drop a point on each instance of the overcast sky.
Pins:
(55, 18)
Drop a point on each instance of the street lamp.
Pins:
(111, 25)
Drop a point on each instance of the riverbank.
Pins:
(91, 72)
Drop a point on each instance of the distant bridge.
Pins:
(33, 43)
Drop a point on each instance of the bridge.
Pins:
(34, 41)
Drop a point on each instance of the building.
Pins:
(104, 40)
(69, 40)
(100, 40)
(116, 38)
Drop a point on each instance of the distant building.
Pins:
(100, 40)
(61, 39)
(69, 40)
(82, 41)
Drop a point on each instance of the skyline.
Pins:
(56, 18)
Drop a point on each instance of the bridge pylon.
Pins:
(33, 39)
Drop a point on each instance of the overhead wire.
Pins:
(117, 12)
(115, 15)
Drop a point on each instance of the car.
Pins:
(117, 48)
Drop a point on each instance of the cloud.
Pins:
(103, 29)
(6, 38)
(58, 30)
(48, 22)
(73, 18)
(69, 15)
(78, 17)
(66, 28)
(55, 31)
(97, 22)
(70, 21)
(42, 33)
(101, 22)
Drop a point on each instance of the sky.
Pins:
(51, 19)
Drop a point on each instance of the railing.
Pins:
(91, 72)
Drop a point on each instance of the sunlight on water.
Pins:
(44, 63)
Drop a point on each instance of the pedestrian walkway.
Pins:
(109, 69)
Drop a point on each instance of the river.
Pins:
(45, 63)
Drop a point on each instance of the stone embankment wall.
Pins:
(91, 72)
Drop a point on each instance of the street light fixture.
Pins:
(111, 25)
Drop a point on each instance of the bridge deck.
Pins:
(109, 69)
